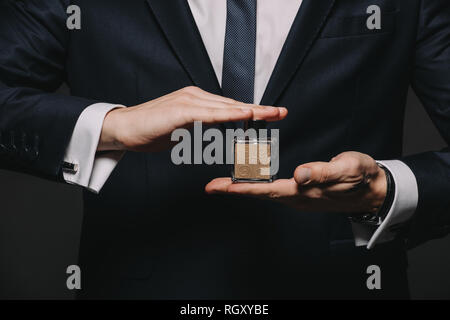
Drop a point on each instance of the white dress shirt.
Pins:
(274, 22)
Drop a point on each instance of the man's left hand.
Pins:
(351, 182)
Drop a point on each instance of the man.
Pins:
(342, 68)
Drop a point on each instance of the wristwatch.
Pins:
(376, 218)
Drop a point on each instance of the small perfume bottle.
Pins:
(252, 155)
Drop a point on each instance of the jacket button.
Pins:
(12, 148)
(23, 142)
(34, 152)
(24, 150)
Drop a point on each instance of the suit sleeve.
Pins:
(35, 123)
(431, 82)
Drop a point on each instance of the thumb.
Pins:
(316, 173)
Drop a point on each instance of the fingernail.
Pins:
(303, 175)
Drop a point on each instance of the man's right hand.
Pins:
(148, 127)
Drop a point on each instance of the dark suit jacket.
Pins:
(152, 232)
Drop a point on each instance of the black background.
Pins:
(40, 224)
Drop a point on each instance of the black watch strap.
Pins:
(375, 219)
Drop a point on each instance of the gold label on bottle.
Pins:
(252, 160)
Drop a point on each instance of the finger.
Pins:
(217, 115)
(258, 112)
(281, 116)
(278, 189)
(262, 112)
(267, 113)
(196, 96)
(228, 101)
(199, 97)
(318, 173)
(200, 102)
(218, 185)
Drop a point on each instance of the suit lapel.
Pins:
(303, 33)
(178, 25)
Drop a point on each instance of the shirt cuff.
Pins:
(403, 207)
(83, 166)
